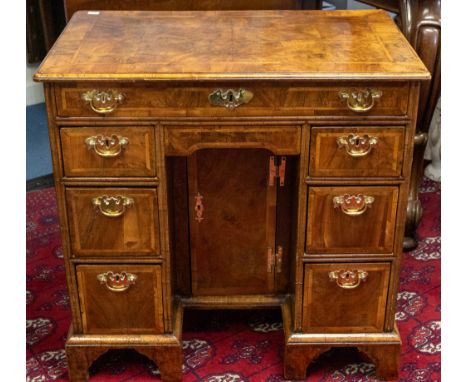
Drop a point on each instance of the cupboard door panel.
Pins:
(345, 297)
(232, 221)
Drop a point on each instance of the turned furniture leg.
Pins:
(414, 209)
(420, 22)
(298, 357)
(386, 359)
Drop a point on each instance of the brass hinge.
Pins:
(276, 171)
(279, 259)
(275, 260)
(271, 260)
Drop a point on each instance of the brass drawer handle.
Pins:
(117, 282)
(360, 101)
(353, 205)
(107, 147)
(347, 279)
(230, 98)
(357, 145)
(112, 206)
(103, 101)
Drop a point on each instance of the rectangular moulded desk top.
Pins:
(231, 45)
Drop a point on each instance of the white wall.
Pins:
(34, 90)
(349, 4)
(356, 5)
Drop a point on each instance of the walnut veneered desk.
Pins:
(232, 160)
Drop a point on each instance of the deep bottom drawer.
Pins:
(120, 298)
(345, 297)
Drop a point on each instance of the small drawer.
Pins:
(185, 140)
(113, 221)
(356, 152)
(108, 151)
(345, 297)
(351, 219)
(120, 298)
(232, 99)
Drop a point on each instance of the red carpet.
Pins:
(226, 346)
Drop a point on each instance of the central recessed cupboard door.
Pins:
(232, 221)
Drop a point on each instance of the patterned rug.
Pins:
(229, 346)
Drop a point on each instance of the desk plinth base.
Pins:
(300, 350)
(382, 348)
(165, 350)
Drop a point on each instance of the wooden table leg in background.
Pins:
(421, 24)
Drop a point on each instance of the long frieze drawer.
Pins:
(113, 221)
(120, 298)
(351, 219)
(356, 152)
(232, 100)
(108, 151)
(345, 297)
(185, 140)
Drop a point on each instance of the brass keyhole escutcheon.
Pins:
(199, 209)
(230, 98)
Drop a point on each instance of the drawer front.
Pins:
(113, 221)
(108, 151)
(185, 140)
(345, 297)
(121, 298)
(351, 219)
(231, 100)
(356, 152)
